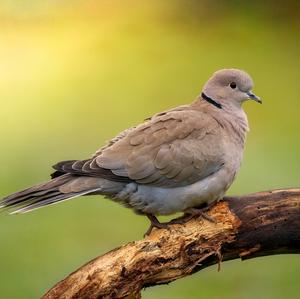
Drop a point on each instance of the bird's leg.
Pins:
(190, 213)
(196, 212)
(154, 223)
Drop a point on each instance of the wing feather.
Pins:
(171, 149)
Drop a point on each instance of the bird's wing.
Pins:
(172, 149)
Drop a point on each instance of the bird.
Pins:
(180, 160)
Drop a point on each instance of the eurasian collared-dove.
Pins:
(175, 161)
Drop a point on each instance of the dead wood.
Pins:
(259, 224)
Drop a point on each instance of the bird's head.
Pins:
(229, 87)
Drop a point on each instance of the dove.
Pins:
(179, 160)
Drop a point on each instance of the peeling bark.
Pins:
(245, 227)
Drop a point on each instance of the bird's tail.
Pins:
(41, 195)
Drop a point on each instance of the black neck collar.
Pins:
(210, 100)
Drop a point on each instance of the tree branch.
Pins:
(259, 224)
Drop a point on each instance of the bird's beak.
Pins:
(252, 96)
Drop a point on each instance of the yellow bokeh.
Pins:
(75, 73)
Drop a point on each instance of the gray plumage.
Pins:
(175, 160)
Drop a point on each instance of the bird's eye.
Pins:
(232, 85)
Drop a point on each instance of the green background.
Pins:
(75, 73)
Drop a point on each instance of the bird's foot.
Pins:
(191, 213)
(196, 212)
(154, 223)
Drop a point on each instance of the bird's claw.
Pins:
(154, 224)
(189, 213)
(194, 212)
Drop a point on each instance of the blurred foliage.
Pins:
(75, 73)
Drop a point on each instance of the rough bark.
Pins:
(245, 227)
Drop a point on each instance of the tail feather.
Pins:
(13, 201)
(40, 195)
(32, 191)
(51, 200)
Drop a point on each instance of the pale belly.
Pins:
(164, 201)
